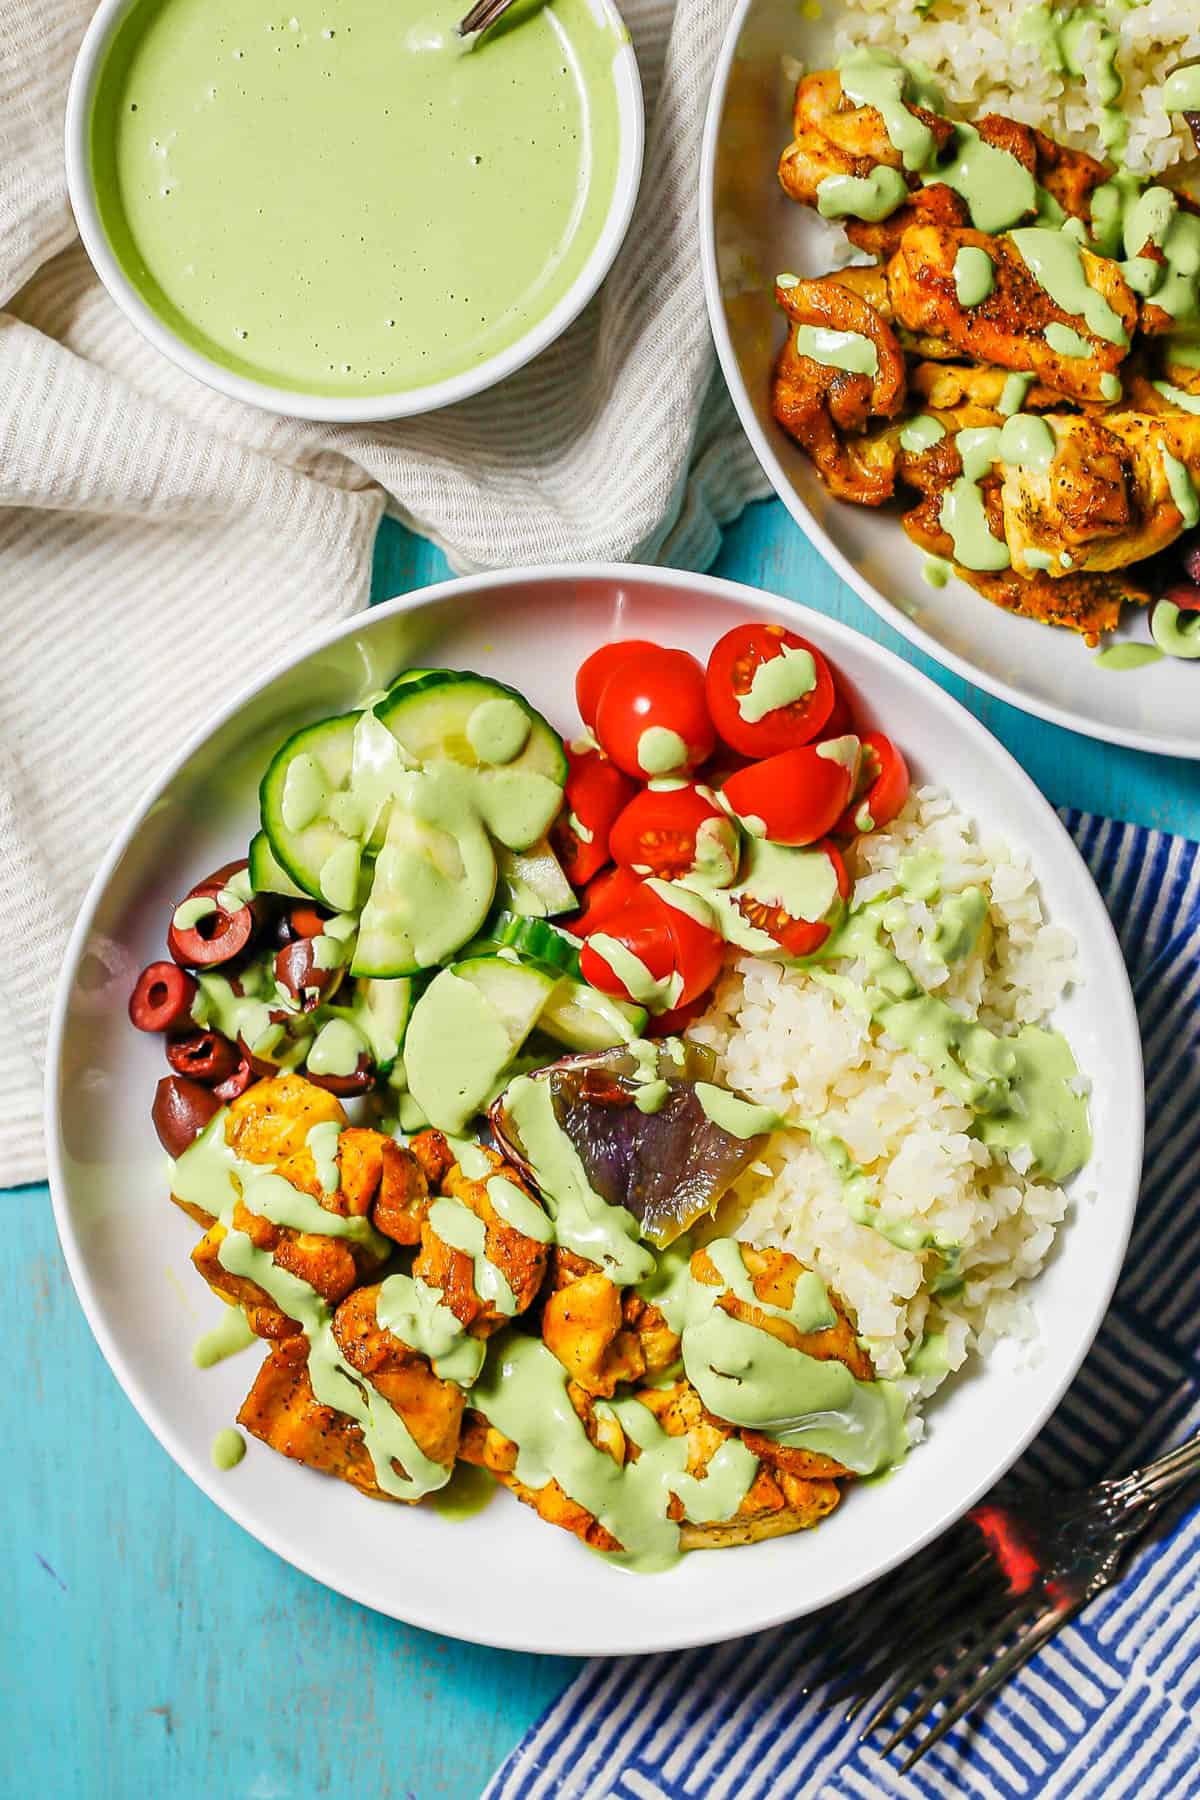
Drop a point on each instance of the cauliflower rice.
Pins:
(787, 1041)
(972, 48)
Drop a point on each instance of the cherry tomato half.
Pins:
(884, 784)
(799, 796)
(652, 718)
(676, 1022)
(595, 671)
(643, 954)
(596, 792)
(840, 722)
(677, 831)
(763, 714)
(797, 936)
(675, 949)
(603, 895)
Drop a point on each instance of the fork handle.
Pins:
(1162, 1476)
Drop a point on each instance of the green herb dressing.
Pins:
(1066, 340)
(1025, 441)
(1123, 657)
(498, 730)
(1014, 392)
(873, 78)
(1056, 263)
(660, 751)
(189, 912)
(1181, 92)
(858, 1197)
(337, 1049)
(1176, 632)
(935, 573)
(228, 1448)
(516, 1208)
(231, 1336)
(1072, 41)
(779, 681)
(1189, 403)
(872, 196)
(974, 275)
(921, 433)
(416, 1314)
(459, 1227)
(335, 201)
(1183, 488)
(740, 1118)
(456, 1046)
(848, 350)
(960, 921)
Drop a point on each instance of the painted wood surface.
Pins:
(150, 1650)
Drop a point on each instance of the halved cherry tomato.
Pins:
(763, 715)
(799, 796)
(596, 792)
(652, 718)
(798, 937)
(699, 946)
(602, 896)
(676, 831)
(840, 722)
(644, 970)
(675, 1022)
(883, 788)
(678, 949)
(595, 671)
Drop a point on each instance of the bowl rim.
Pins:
(644, 1634)
(1131, 738)
(328, 409)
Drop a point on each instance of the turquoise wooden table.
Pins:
(151, 1651)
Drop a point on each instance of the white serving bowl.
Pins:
(504, 1577)
(751, 232)
(334, 409)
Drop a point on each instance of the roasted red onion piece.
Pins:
(670, 1167)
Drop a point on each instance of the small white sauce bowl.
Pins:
(345, 409)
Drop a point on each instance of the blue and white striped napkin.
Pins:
(1112, 1706)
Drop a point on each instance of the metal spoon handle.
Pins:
(481, 15)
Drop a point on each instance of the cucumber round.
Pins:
(533, 940)
(581, 1018)
(308, 770)
(431, 892)
(266, 875)
(532, 882)
(487, 1006)
(518, 799)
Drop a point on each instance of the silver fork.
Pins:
(974, 1607)
(481, 16)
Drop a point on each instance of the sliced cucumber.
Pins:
(266, 875)
(534, 940)
(431, 893)
(581, 1018)
(303, 777)
(532, 882)
(381, 1011)
(436, 717)
(465, 1031)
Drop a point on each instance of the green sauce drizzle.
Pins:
(779, 681)
(836, 350)
(974, 275)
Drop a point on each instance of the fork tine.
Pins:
(991, 1678)
(875, 1620)
(969, 1596)
(961, 1669)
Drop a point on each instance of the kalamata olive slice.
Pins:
(356, 1082)
(217, 937)
(206, 1057)
(1191, 558)
(306, 921)
(243, 1077)
(297, 969)
(181, 1110)
(162, 998)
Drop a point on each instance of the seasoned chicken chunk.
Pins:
(510, 1264)
(487, 1448)
(601, 1335)
(269, 1125)
(430, 1407)
(1007, 329)
(833, 136)
(822, 405)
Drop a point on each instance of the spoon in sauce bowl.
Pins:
(482, 15)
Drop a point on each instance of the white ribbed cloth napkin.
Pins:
(160, 543)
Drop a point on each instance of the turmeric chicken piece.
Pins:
(1118, 490)
(781, 1499)
(485, 1287)
(269, 1125)
(963, 395)
(282, 1410)
(834, 136)
(1008, 328)
(601, 1335)
(822, 405)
